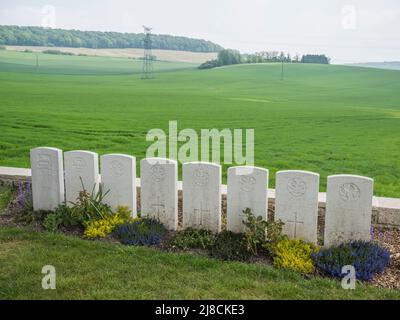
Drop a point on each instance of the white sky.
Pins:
(346, 30)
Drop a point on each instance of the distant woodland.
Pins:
(38, 36)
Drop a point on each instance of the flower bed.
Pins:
(89, 218)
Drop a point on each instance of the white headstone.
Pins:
(118, 178)
(80, 165)
(348, 209)
(202, 196)
(47, 178)
(296, 204)
(159, 190)
(247, 188)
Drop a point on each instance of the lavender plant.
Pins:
(368, 259)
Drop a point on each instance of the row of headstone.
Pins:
(348, 202)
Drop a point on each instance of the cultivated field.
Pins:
(164, 55)
(327, 119)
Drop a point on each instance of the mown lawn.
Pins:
(327, 119)
(99, 270)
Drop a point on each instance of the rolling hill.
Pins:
(323, 118)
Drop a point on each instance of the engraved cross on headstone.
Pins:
(295, 222)
(158, 208)
(200, 214)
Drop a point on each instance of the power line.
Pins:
(147, 72)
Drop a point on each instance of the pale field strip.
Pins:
(377, 202)
(165, 55)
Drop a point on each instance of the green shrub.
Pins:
(259, 231)
(294, 255)
(140, 232)
(61, 216)
(52, 222)
(230, 246)
(193, 239)
(66, 216)
(209, 64)
(90, 206)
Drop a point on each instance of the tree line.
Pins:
(38, 36)
(229, 57)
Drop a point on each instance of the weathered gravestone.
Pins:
(296, 204)
(202, 196)
(348, 209)
(47, 178)
(118, 178)
(81, 167)
(159, 190)
(247, 188)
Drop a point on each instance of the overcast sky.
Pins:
(346, 30)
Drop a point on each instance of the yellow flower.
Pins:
(103, 227)
(294, 255)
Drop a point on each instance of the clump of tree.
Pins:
(270, 56)
(58, 52)
(226, 57)
(315, 58)
(38, 36)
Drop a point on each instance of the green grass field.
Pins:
(96, 270)
(327, 119)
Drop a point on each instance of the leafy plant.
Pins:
(193, 239)
(368, 258)
(66, 215)
(124, 213)
(140, 232)
(103, 227)
(90, 206)
(259, 231)
(230, 246)
(294, 255)
(52, 222)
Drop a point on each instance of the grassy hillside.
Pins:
(25, 62)
(163, 55)
(328, 119)
(96, 270)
